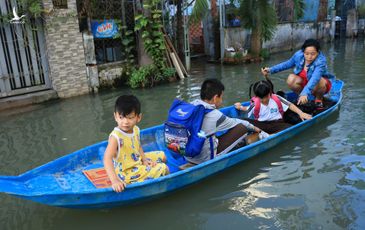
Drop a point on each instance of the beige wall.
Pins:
(65, 50)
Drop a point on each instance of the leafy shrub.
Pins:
(149, 75)
(142, 77)
(167, 73)
(264, 53)
(361, 11)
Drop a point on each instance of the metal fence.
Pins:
(108, 50)
(23, 61)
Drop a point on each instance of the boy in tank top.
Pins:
(124, 159)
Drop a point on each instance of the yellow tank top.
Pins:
(128, 148)
(128, 162)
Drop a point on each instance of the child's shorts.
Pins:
(139, 173)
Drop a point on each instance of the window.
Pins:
(108, 50)
(60, 4)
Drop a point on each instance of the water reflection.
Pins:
(291, 192)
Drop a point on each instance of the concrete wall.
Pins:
(288, 36)
(110, 75)
(361, 26)
(65, 50)
(351, 23)
(236, 37)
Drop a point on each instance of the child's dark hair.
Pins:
(126, 104)
(211, 87)
(261, 88)
(311, 42)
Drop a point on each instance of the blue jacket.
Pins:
(316, 69)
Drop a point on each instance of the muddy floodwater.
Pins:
(315, 180)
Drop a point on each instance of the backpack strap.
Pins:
(278, 102)
(256, 101)
(211, 144)
(256, 110)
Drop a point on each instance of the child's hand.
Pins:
(305, 116)
(118, 185)
(257, 130)
(239, 106)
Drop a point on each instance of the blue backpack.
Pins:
(183, 124)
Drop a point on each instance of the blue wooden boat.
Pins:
(62, 183)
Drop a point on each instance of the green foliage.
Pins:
(128, 44)
(149, 25)
(361, 10)
(151, 34)
(238, 55)
(148, 75)
(298, 9)
(167, 73)
(142, 76)
(200, 10)
(259, 15)
(265, 53)
(31, 8)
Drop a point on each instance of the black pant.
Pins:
(270, 126)
(228, 139)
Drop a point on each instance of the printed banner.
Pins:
(105, 29)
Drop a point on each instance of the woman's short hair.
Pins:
(311, 42)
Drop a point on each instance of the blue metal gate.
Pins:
(23, 60)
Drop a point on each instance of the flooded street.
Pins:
(316, 180)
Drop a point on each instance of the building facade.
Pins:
(65, 49)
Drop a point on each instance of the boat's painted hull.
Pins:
(61, 182)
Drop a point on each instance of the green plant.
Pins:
(128, 44)
(141, 77)
(148, 75)
(149, 25)
(167, 73)
(31, 8)
(260, 17)
(238, 55)
(265, 53)
(200, 10)
(361, 10)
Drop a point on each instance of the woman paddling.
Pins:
(310, 75)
